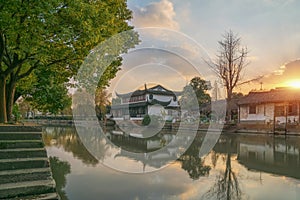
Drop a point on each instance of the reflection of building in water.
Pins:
(134, 144)
(156, 100)
(156, 160)
(155, 152)
(226, 144)
(276, 156)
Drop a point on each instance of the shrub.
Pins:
(16, 113)
(146, 120)
(152, 120)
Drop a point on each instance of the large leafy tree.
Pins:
(197, 87)
(48, 93)
(56, 34)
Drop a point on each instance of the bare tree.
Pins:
(230, 62)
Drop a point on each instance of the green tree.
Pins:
(198, 87)
(102, 102)
(48, 94)
(201, 87)
(56, 34)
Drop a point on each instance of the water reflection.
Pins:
(60, 169)
(240, 166)
(226, 184)
(67, 138)
(192, 163)
(140, 154)
(273, 155)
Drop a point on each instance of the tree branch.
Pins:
(13, 66)
(28, 71)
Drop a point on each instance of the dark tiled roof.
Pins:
(155, 101)
(274, 95)
(141, 104)
(132, 94)
(131, 105)
(152, 90)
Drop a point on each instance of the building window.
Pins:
(279, 110)
(125, 100)
(252, 109)
(292, 110)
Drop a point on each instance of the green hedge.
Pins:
(67, 117)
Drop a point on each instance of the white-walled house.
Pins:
(263, 107)
(156, 100)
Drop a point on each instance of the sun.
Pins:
(294, 83)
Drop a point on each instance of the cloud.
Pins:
(152, 66)
(289, 71)
(156, 14)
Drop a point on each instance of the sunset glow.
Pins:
(294, 83)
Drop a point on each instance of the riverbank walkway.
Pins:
(24, 166)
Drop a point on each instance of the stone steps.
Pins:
(24, 167)
(23, 163)
(20, 136)
(11, 190)
(13, 144)
(20, 175)
(48, 196)
(22, 153)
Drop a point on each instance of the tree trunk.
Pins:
(11, 88)
(3, 116)
(228, 107)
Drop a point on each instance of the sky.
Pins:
(269, 28)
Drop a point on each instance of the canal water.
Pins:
(240, 166)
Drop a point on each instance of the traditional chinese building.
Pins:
(156, 100)
(264, 107)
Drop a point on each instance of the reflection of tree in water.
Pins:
(192, 163)
(59, 171)
(68, 139)
(226, 185)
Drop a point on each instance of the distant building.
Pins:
(156, 100)
(264, 107)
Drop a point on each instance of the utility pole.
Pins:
(274, 118)
(286, 118)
